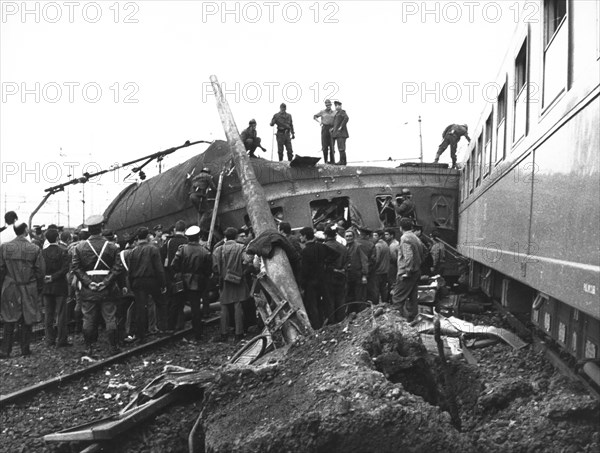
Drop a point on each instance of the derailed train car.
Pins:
(302, 196)
(529, 211)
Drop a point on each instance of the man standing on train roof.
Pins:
(22, 272)
(97, 266)
(339, 131)
(285, 132)
(201, 184)
(250, 139)
(451, 136)
(326, 122)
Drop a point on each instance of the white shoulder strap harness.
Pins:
(98, 260)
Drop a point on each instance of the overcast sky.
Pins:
(109, 82)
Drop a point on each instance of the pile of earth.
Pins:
(370, 385)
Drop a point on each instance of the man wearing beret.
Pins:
(339, 132)
(285, 132)
(250, 139)
(96, 265)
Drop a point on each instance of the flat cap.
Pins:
(194, 230)
(94, 220)
(337, 102)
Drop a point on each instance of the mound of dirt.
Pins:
(366, 385)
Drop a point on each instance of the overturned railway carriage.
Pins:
(529, 210)
(302, 196)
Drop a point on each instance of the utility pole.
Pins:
(420, 139)
(278, 266)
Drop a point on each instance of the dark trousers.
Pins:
(381, 288)
(314, 292)
(90, 311)
(327, 145)
(175, 311)
(405, 295)
(142, 290)
(251, 145)
(55, 308)
(238, 316)
(372, 293)
(195, 300)
(9, 337)
(341, 145)
(335, 294)
(284, 139)
(357, 292)
(451, 140)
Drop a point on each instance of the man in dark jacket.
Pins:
(175, 289)
(316, 258)
(250, 139)
(410, 257)
(365, 242)
(335, 277)
(382, 267)
(21, 279)
(97, 267)
(451, 136)
(339, 132)
(194, 262)
(201, 184)
(285, 132)
(358, 270)
(147, 278)
(56, 290)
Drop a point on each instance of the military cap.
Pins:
(405, 192)
(194, 230)
(52, 227)
(337, 102)
(94, 220)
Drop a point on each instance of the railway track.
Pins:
(52, 383)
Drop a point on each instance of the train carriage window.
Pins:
(387, 213)
(487, 156)
(472, 168)
(324, 212)
(500, 152)
(479, 163)
(521, 95)
(556, 50)
(441, 211)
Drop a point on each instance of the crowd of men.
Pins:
(334, 131)
(139, 285)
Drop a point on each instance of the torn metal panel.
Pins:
(455, 327)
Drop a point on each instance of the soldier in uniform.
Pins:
(451, 136)
(326, 116)
(96, 265)
(285, 132)
(21, 279)
(339, 131)
(194, 262)
(250, 139)
(201, 184)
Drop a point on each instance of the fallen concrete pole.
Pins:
(278, 267)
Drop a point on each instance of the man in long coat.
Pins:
(21, 279)
(228, 265)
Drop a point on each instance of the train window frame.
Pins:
(489, 141)
(479, 157)
(472, 179)
(521, 88)
(555, 33)
(345, 208)
(501, 113)
(380, 200)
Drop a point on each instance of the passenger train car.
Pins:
(529, 214)
(303, 196)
